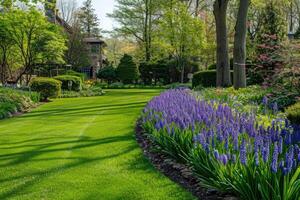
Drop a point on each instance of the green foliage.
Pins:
(212, 67)
(293, 113)
(205, 78)
(88, 92)
(180, 34)
(245, 99)
(178, 86)
(157, 72)
(78, 74)
(107, 73)
(88, 19)
(70, 82)
(12, 101)
(33, 40)
(47, 87)
(127, 70)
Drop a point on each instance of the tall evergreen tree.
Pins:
(88, 20)
(127, 70)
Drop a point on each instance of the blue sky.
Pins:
(102, 8)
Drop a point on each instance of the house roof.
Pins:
(94, 40)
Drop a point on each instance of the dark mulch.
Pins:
(177, 172)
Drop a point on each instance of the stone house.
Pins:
(94, 45)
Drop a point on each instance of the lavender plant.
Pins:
(228, 150)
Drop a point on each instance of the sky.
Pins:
(103, 7)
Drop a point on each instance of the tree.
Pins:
(269, 40)
(127, 70)
(77, 54)
(67, 10)
(88, 20)
(239, 52)
(137, 20)
(107, 73)
(5, 46)
(223, 66)
(35, 39)
(181, 35)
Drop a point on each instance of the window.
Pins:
(95, 48)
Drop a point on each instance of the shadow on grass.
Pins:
(94, 109)
(45, 148)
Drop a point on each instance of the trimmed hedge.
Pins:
(78, 74)
(206, 78)
(47, 87)
(293, 113)
(65, 79)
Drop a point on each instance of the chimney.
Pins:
(50, 10)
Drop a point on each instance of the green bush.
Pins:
(212, 67)
(293, 113)
(116, 85)
(178, 85)
(47, 87)
(107, 73)
(66, 79)
(206, 78)
(15, 100)
(78, 74)
(127, 70)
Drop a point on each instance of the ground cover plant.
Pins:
(13, 101)
(229, 150)
(87, 91)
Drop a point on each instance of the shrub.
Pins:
(293, 113)
(212, 67)
(107, 73)
(66, 79)
(178, 86)
(127, 70)
(78, 74)
(206, 78)
(90, 92)
(15, 100)
(116, 85)
(157, 72)
(47, 87)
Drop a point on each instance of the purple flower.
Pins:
(216, 154)
(243, 152)
(275, 159)
(265, 100)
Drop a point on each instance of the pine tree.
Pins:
(88, 20)
(127, 70)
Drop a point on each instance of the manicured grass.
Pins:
(81, 149)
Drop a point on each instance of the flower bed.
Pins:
(230, 151)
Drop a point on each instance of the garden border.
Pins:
(179, 173)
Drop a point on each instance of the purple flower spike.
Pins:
(275, 159)
(243, 153)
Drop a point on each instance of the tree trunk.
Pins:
(223, 66)
(239, 50)
(147, 29)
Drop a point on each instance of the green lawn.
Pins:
(81, 149)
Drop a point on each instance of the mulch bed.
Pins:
(177, 172)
